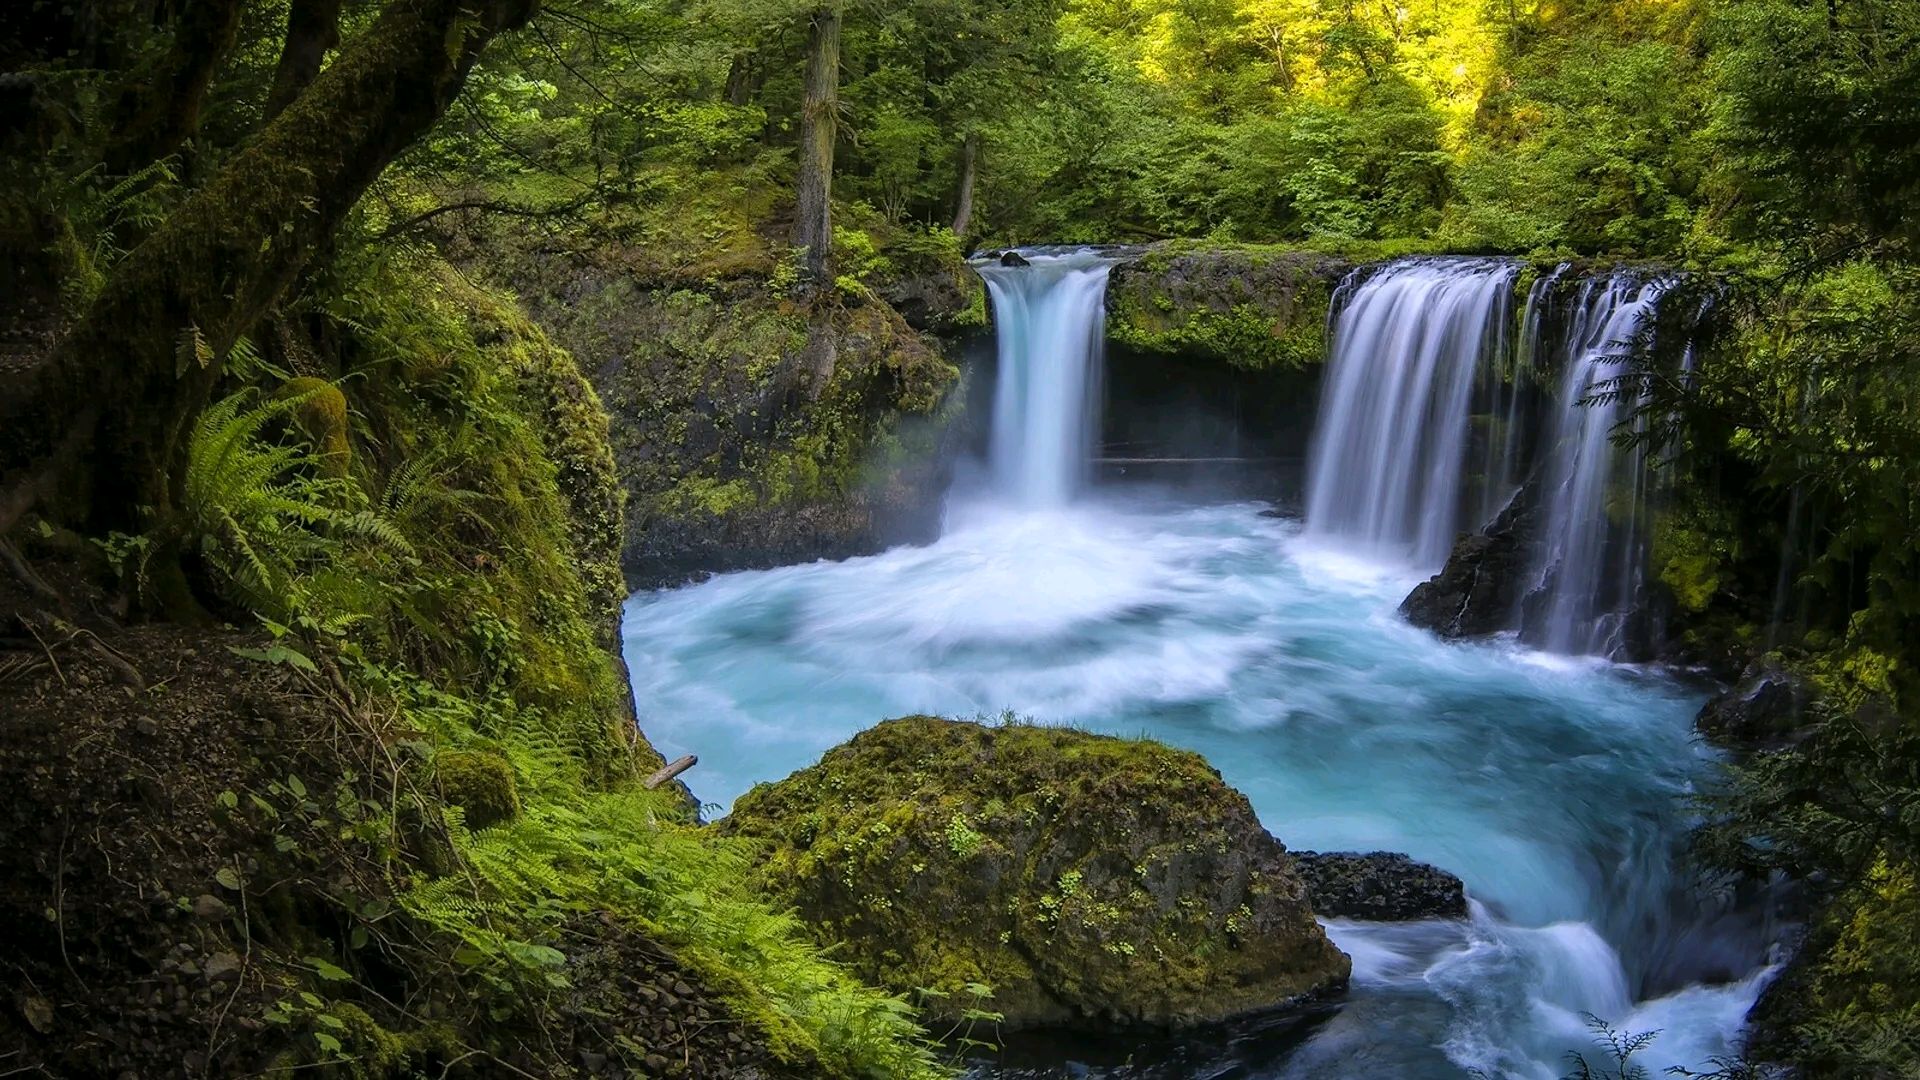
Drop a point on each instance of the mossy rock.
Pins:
(1252, 307)
(320, 412)
(1089, 881)
(481, 783)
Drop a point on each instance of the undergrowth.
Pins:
(456, 580)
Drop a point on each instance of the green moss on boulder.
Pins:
(480, 782)
(320, 412)
(1089, 881)
(1253, 307)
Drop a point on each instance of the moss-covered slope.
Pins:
(396, 824)
(1086, 880)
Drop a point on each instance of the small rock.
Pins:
(38, 1012)
(1383, 886)
(221, 965)
(1765, 710)
(1013, 258)
(210, 907)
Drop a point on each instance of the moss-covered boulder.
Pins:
(1089, 881)
(1253, 307)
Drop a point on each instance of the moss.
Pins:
(480, 782)
(1254, 308)
(1085, 879)
(1855, 1010)
(322, 416)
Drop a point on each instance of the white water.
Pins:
(1390, 448)
(1554, 787)
(1050, 319)
(1419, 351)
(1589, 573)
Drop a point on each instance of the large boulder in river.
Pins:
(1383, 886)
(1090, 881)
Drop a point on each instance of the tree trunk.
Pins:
(140, 363)
(969, 162)
(313, 28)
(159, 105)
(743, 79)
(812, 223)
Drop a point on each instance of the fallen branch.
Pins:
(671, 771)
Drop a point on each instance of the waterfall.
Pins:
(1591, 562)
(1050, 320)
(1390, 447)
(1512, 417)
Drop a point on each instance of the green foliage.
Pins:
(262, 516)
(574, 847)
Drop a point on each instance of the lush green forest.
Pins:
(299, 301)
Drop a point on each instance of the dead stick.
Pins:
(671, 771)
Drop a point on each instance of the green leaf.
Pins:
(328, 971)
(228, 877)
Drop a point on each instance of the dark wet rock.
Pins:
(1094, 883)
(1013, 258)
(1384, 886)
(1766, 709)
(1481, 588)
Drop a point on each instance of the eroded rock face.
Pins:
(748, 432)
(1383, 886)
(1091, 882)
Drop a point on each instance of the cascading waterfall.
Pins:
(1050, 319)
(1429, 423)
(1591, 563)
(1390, 446)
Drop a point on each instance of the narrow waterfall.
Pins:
(1390, 447)
(1512, 420)
(1050, 320)
(1588, 574)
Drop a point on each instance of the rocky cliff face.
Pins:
(1254, 308)
(753, 430)
(1088, 881)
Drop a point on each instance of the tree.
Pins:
(819, 127)
(128, 379)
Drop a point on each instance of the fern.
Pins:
(261, 515)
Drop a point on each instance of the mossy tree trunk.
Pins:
(813, 223)
(128, 380)
(969, 166)
(313, 28)
(159, 105)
